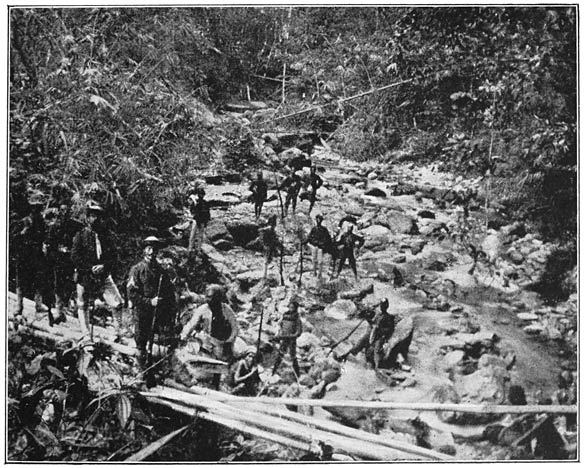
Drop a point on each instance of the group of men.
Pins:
(80, 258)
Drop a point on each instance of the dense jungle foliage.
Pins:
(116, 100)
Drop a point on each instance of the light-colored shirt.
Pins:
(202, 319)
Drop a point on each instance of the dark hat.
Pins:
(319, 216)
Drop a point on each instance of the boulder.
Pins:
(331, 375)
(306, 381)
(404, 189)
(399, 343)
(341, 309)
(376, 237)
(376, 192)
(534, 329)
(515, 256)
(417, 247)
(398, 223)
(428, 227)
(243, 232)
(307, 340)
(372, 176)
(527, 316)
(216, 230)
(401, 258)
(354, 209)
(452, 360)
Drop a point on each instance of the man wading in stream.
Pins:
(93, 258)
(217, 322)
(152, 293)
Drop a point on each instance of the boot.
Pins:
(38, 303)
(19, 301)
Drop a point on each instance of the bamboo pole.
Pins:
(350, 98)
(336, 428)
(388, 405)
(348, 445)
(232, 424)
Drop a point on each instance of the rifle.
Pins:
(151, 343)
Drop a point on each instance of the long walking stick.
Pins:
(260, 333)
(301, 238)
(154, 313)
(279, 197)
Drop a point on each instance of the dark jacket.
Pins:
(144, 282)
(84, 254)
(320, 237)
(259, 188)
(315, 182)
(60, 236)
(292, 184)
(348, 241)
(201, 212)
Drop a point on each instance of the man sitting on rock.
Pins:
(217, 324)
(290, 328)
(246, 377)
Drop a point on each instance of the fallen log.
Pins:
(332, 426)
(348, 445)
(232, 424)
(389, 405)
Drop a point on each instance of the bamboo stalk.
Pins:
(388, 405)
(232, 424)
(350, 98)
(348, 445)
(338, 429)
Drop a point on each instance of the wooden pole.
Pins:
(388, 405)
(350, 98)
(358, 447)
(341, 429)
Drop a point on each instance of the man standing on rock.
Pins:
(347, 244)
(201, 213)
(320, 241)
(290, 328)
(259, 190)
(315, 182)
(59, 244)
(381, 326)
(152, 293)
(270, 242)
(218, 323)
(93, 258)
(292, 184)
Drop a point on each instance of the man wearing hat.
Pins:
(292, 184)
(199, 208)
(347, 244)
(290, 328)
(259, 194)
(315, 182)
(320, 241)
(30, 252)
(59, 244)
(93, 258)
(270, 242)
(151, 291)
(246, 377)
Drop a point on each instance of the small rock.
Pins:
(527, 316)
(372, 176)
(453, 359)
(409, 382)
(416, 247)
(307, 340)
(399, 259)
(306, 380)
(516, 257)
(341, 309)
(534, 329)
(331, 375)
